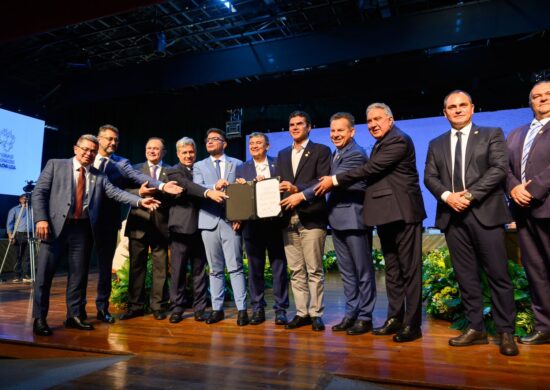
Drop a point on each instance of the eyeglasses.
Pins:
(87, 150)
(110, 139)
(214, 139)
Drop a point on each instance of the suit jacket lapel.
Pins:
(544, 128)
(446, 147)
(93, 182)
(272, 167)
(470, 146)
(228, 166)
(303, 159)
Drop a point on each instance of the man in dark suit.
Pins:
(67, 202)
(146, 231)
(352, 239)
(121, 174)
(304, 233)
(393, 203)
(465, 170)
(186, 244)
(263, 235)
(528, 186)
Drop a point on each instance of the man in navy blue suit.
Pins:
(67, 206)
(121, 174)
(263, 235)
(351, 237)
(528, 186)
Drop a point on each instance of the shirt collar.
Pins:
(302, 145)
(543, 121)
(222, 158)
(465, 130)
(150, 164)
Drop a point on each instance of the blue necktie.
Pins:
(102, 164)
(529, 138)
(218, 169)
(457, 172)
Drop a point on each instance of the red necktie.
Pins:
(79, 197)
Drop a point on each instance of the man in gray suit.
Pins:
(67, 201)
(148, 230)
(222, 239)
(352, 238)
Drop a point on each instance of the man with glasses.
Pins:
(393, 203)
(120, 173)
(66, 202)
(222, 239)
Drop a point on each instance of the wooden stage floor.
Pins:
(195, 355)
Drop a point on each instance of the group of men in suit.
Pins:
(466, 170)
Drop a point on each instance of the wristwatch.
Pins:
(468, 196)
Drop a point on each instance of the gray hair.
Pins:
(381, 106)
(106, 127)
(456, 91)
(185, 141)
(87, 137)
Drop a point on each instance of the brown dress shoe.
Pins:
(508, 346)
(469, 337)
(536, 338)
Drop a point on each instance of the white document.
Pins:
(268, 198)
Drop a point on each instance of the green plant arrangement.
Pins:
(378, 260)
(442, 296)
(119, 284)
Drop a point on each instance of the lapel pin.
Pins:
(476, 132)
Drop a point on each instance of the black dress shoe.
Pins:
(391, 326)
(200, 315)
(40, 327)
(77, 323)
(215, 316)
(343, 325)
(317, 324)
(538, 337)
(408, 333)
(132, 314)
(159, 314)
(298, 321)
(105, 316)
(280, 317)
(175, 318)
(508, 346)
(469, 337)
(242, 318)
(359, 327)
(257, 317)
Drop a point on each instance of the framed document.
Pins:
(253, 200)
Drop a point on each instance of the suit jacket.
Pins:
(393, 192)
(537, 169)
(121, 174)
(139, 219)
(247, 171)
(486, 164)
(345, 205)
(53, 195)
(315, 162)
(204, 174)
(184, 209)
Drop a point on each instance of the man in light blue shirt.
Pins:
(18, 237)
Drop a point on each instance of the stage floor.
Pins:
(157, 354)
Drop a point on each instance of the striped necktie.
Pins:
(529, 138)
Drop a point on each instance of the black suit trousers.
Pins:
(139, 251)
(402, 248)
(187, 249)
(473, 246)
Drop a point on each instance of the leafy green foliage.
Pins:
(441, 292)
(119, 285)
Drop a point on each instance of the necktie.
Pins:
(457, 172)
(154, 171)
(336, 155)
(79, 196)
(529, 138)
(218, 169)
(102, 164)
